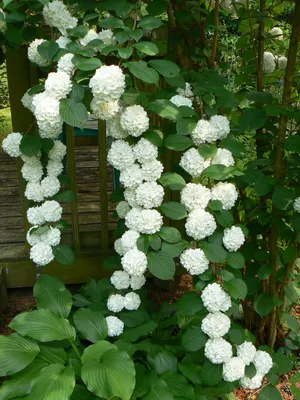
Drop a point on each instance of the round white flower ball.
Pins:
(223, 157)
(115, 303)
(246, 351)
(27, 101)
(226, 193)
(218, 351)
(63, 42)
(58, 85)
(115, 326)
(91, 35)
(120, 280)
(145, 151)
(193, 163)
(11, 144)
(195, 196)
(122, 209)
(118, 247)
(134, 262)
(120, 155)
(151, 222)
(34, 192)
(137, 282)
(114, 129)
(200, 224)
(152, 170)
(32, 171)
(221, 125)
(234, 369)
(65, 64)
(215, 299)
(54, 168)
(187, 91)
(128, 240)
(50, 186)
(33, 238)
(150, 195)
(252, 383)
(262, 362)
(132, 301)
(282, 62)
(41, 254)
(108, 83)
(296, 205)
(58, 151)
(216, 325)
(130, 196)
(51, 237)
(51, 211)
(134, 120)
(47, 115)
(233, 238)
(133, 219)
(180, 100)
(35, 216)
(33, 54)
(57, 15)
(204, 132)
(104, 110)
(276, 31)
(107, 37)
(268, 62)
(194, 261)
(131, 176)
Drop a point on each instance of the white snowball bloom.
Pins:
(282, 62)
(115, 326)
(91, 35)
(120, 280)
(33, 238)
(200, 224)
(204, 132)
(233, 238)
(131, 176)
(34, 192)
(151, 222)
(194, 261)
(180, 100)
(234, 369)
(51, 237)
(133, 219)
(33, 54)
(296, 205)
(134, 262)
(32, 171)
(41, 254)
(226, 193)
(120, 155)
(57, 16)
(63, 41)
(58, 85)
(38, 98)
(130, 196)
(115, 303)
(218, 351)
(215, 299)
(223, 157)
(132, 301)
(50, 186)
(104, 110)
(27, 101)
(107, 37)
(118, 247)
(65, 64)
(114, 129)
(145, 151)
(54, 168)
(150, 195)
(134, 120)
(122, 209)
(11, 143)
(221, 125)
(108, 83)
(51, 211)
(58, 151)
(35, 216)
(268, 62)
(129, 239)
(262, 362)
(152, 170)
(137, 282)
(216, 325)
(193, 163)
(48, 117)
(195, 196)
(252, 383)
(276, 31)
(187, 92)
(246, 351)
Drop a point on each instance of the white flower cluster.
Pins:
(180, 100)
(193, 163)
(33, 54)
(134, 120)
(276, 32)
(57, 16)
(194, 261)
(200, 224)
(226, 193)
(296, 205)
(215, 299)
(216, 128)
(268, 62)
(116, 302)
(216, 325)
(11, 144)
(233, 238)
(115, 326)
(106, 36)
(65, 64)
(282, 62)
(223, 157)
(195, 196)
(186, 92)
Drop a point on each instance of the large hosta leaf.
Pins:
(53, 295)
(107, 371)
(43, 325)
(91, 324)
(16, 353)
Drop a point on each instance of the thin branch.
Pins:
(216, 33)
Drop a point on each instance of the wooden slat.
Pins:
(103, 184)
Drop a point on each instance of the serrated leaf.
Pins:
(189, 304)
(73, 113)
(166, 68)
(141, 70)
(237, 288)
(170, 234)
(193, 339)
(269, 393)
(161, 265)
(63, 254)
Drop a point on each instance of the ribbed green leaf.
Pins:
(91, 324)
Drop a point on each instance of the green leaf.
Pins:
(56, 355)
(122, 36)
(136, 35)
(174, 210)
(43, 325)
(236, 336)
(170, 234)
(30, 145)
(143, 243)
(235, 259)
(142, 71)
(292, 143)
(214, 252)
(54, 382)
(289, 254)
(193, 339)
(163, 361)
(16, 353)
(88, 64)
(236, 148)
(73, 113)
(81, 393)
(111, 22)
(79, 31)
(161, 265)
(53, 295)
(172, 180)
(283, 364)
(67, 196)
(185, 126)
(150, 23)
(263, 304)
(192, 373)
(135, 333)
(107, 371)
(148, 48)
(261, 97)
(47, 145)
(48, 49)
(179, 385)
(91, 324)
(165, 68)
(211, 374)
(252, 119)
(125, 52)
(283, 198)
(215, 205)
(165, 109)
(189, 304)
(269, 393)
(225, 275)
(178, 142)
(217, 171)
(63, 254)
(291, 293)
(6, 3)
(225, 218)
(158, 391)
(174, 249)
(207, 150)
(262, 186)
(237, 288)
(154, 241)
(154, 136)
